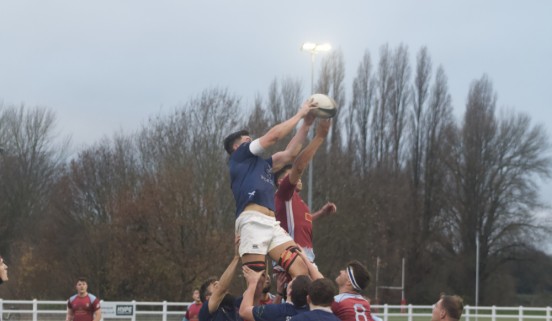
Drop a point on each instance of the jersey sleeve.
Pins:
(285, 189)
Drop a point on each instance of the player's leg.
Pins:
(254, 236)
(287, 257)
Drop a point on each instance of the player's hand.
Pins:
(237, 245)
(323, 127)
(251, 276)
(309, 119)
(281, 279)
(329, 208)
(307, 106)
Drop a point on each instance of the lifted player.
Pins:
(252, 184)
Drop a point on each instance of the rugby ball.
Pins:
(325, 106)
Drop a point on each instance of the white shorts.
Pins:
(259, 233)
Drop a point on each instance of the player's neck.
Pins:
(347, 289)
(82, 295)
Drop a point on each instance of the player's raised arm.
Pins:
(283, 129)
(248, 302)
(294, 146)
(221, 287)
(302, 161)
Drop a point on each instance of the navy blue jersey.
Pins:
(276, 312)
(251, 179)
(315, 315)
(223, 313)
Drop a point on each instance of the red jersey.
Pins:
(293, 214)
(83, 307)
(192, 313)
(351, 307)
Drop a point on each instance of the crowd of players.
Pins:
(273, 221)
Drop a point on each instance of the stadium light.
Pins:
(313, 48)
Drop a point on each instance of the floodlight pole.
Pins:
(313, 49)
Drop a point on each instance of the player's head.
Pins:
(3, 270)
(281, 174)
(234, 140)
(354, 276)
(195, 295)
(82, 285)
(449, 307)
(207, 288)
(298, 289)
(321, 292)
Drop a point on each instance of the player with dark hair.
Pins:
(291, 211)
(83, 306)
(297, 292)
(320, 298)
(349, 304)
(252, 184)
(218, 304)
(448, 308)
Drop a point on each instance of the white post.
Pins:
(134, 308)
(35, 310)
(520, 314)
(1, 304)
(410, 312)
(467, 314)
(164, 310)
(377, 274)
(476, 268)
(311, 165)
(493, 313)
(403, 300)
(548, 313)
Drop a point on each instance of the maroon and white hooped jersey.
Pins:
(351, 307)
(294, 215)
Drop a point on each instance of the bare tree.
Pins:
(493, 164)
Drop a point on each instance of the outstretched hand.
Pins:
(329, 208)
(251, 276)
(307, 106)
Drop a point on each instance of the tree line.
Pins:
(149, 215)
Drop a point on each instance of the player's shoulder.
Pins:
(342, 297)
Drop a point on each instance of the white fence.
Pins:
(38, 310)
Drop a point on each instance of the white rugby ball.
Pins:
(326, 106)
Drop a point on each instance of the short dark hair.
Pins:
(281, 172)
(322, 292)
(82, 279)
(360, 273)
(453, 305)
(203, 290)
(231, 139)
(299, 290)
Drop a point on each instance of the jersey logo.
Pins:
(308, 217)
(251, 194)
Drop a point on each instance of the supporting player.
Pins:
(253, 188)
(320, 298)
(218, 304)
(349, 304)
(297, 292)
(448, 308)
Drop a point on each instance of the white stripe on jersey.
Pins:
(290, 220)
(344, 296)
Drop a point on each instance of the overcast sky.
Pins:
(105, 66)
